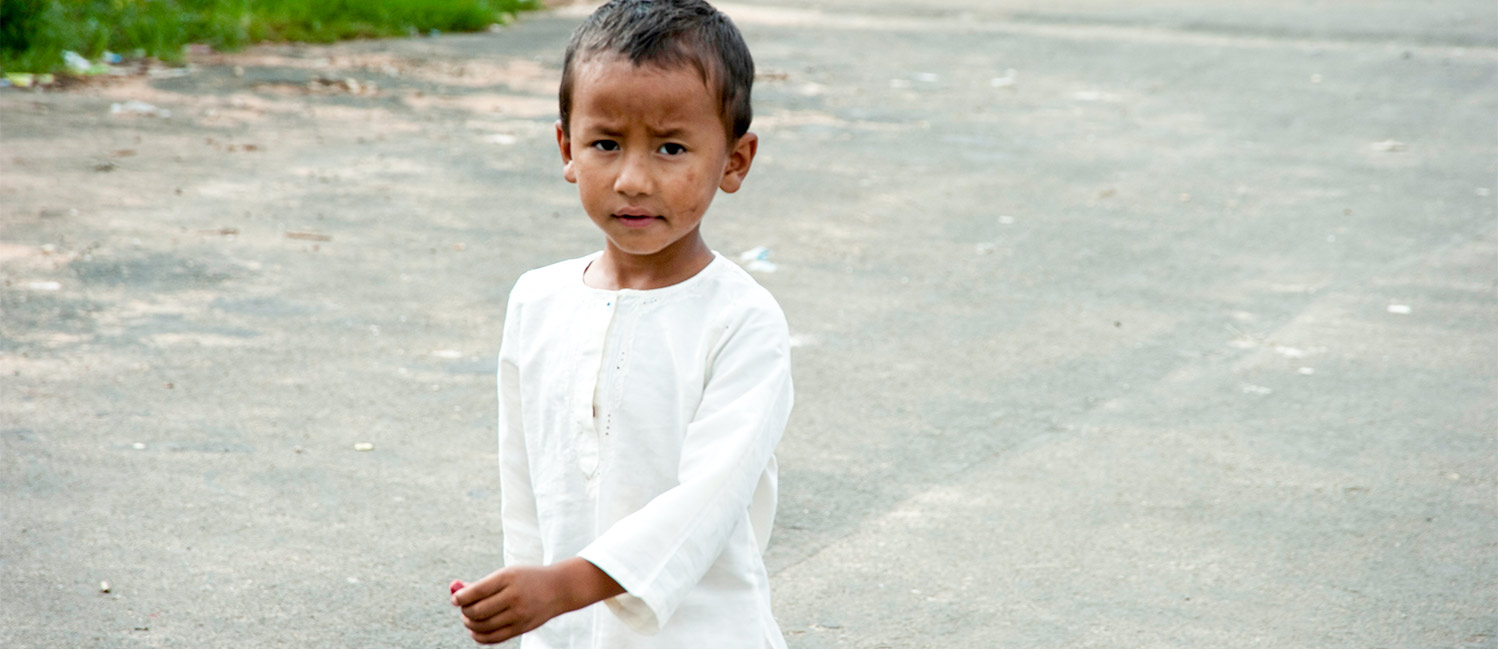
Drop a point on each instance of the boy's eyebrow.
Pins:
(669, 133)
(612, 130)
(600, 125)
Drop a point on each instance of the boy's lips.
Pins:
(635, 218)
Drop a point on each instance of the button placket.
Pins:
(590, 365)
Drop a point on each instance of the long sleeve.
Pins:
(522, 538)
(662, 551)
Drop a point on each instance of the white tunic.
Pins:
(637, 431)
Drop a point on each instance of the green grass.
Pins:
(34, 33)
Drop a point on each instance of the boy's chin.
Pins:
(655, 248)
(636, 250)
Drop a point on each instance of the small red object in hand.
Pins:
(456, 586)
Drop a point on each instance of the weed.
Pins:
(34, 33)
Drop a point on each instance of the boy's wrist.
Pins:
(583, 584)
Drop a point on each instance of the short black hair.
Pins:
(667, 33)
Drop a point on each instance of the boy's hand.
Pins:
(509, 602)
(517, 599)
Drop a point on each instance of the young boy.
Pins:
(642, 388)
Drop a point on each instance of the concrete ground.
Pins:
(1119, 324)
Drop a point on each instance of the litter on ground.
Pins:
(137, 107)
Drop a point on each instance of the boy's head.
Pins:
(668, 34)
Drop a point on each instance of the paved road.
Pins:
(1160, 324)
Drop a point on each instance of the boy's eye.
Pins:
(606, 145)
(672, 148)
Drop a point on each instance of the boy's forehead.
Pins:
(615, 89)
(601, 66)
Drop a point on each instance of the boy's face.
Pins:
(648, 153)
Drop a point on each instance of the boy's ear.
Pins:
(739, 160)
(565, 144)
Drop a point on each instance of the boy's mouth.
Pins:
(635, 218)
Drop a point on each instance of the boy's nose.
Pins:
(634, 177)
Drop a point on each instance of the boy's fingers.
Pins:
(478, 590)
(492, 624)
(484, 610)
(497, 636)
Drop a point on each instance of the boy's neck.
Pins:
(616, 269)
